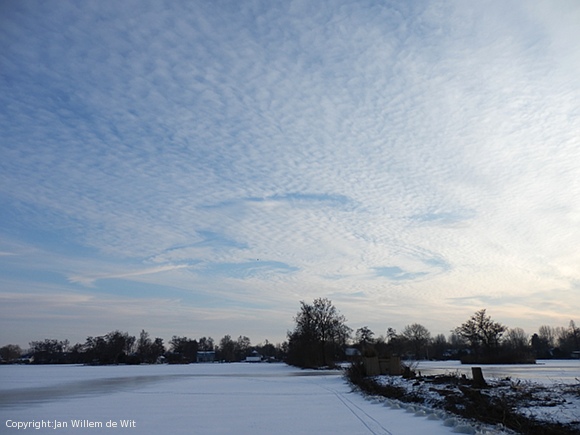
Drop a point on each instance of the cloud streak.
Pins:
(90, 280)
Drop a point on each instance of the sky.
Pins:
(198, 168)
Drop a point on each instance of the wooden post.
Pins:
(395, 366)
(478, 380)
(372, 366)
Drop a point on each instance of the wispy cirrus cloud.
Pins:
(89, 280)
(395, 273)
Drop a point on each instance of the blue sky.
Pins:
(199, 168)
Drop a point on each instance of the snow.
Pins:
(544, 372)
(201, 398)
(555, 384)
(548, 391)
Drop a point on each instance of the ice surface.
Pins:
(543, 372)
(198, 399)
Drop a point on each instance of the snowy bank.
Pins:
(526, 406)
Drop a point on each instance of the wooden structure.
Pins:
(375, 366)
(478, 379)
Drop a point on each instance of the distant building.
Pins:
(206, 356)
(351, 352)
(254, 357)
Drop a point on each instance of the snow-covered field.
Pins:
(196, 399)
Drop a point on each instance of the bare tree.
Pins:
(206, 344)
(481, 332)
(242, 347)
(574, 334)
(394, 342)
(227, 349)
(569, 339)
(418, 337)
(149, 351)
(319, 333)
(365, 339)
(49, 351)
(144, 345)
(119, 345)
(364, 336)
(516, 339)
(10, 352)
(184, 350)
(548, 335)
(439, 345)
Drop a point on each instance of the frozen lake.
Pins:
(544, 371)
(191, 399)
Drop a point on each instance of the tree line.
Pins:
(119, 347)
(322, 337)
(319, 339)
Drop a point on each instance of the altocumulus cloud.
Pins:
(223, 161)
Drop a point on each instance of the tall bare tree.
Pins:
(481, 332)
(319, 333)
(418, 338)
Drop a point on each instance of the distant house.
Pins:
(254, 357)
(576, 354)
(206, 356)
(351, 352)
